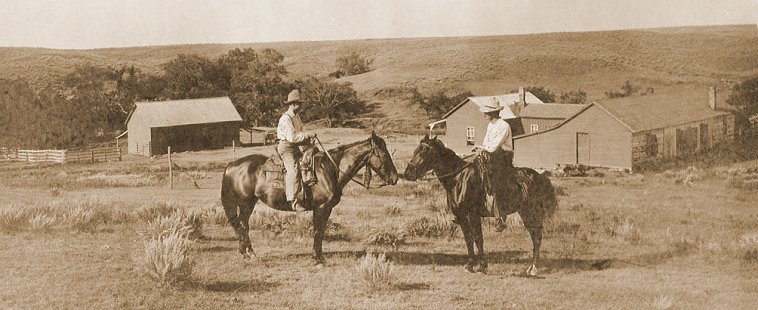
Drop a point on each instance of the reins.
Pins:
(352, 178)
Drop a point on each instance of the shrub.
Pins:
(215, 216)
(157, 209)
(748, 243)
(574, 96)
(185, 224)
(376, 271)
(436, 227)
(352, 64)
(386, 237)
(663, 302)
(13, 219)
(299, 226)
(393, 211)
(166, 259)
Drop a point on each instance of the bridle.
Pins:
(425, 146)
(363, 162)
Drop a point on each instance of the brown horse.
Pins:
(244, 183)
(465, 197)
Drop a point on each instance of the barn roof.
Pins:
(502, 100)
(186, 112)
(641, 113)
(551, 110)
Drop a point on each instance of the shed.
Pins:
(185, 125)
(621, 132)
(466, 126)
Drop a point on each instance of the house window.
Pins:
(470, 135)
(535, 128)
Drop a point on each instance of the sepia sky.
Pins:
(79, 24)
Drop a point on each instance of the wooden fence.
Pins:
(61, 156)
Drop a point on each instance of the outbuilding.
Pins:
(185, 125)
(621, 132)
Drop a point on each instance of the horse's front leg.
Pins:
(476, 231)
(463, 221)
(320, 219)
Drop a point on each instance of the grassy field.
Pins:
(72, 236)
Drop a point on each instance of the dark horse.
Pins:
(244, 183)
(466, 197)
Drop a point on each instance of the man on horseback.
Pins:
(291, 137)
(495, 156)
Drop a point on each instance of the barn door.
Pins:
(582, 148)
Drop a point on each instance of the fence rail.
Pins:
(61, 156)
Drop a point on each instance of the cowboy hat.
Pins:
(294, 96)
(492, 106)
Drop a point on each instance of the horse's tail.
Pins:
(544, 194)
(228, 197)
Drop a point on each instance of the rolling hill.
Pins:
(593, 61)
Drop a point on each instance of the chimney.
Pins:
(522, 96)
(712, 97)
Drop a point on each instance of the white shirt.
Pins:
(290, 128)
(498, 136)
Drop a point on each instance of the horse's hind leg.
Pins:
(246, 211)
(534, 226)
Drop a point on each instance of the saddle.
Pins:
(275, 171)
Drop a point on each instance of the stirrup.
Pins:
(297, 207)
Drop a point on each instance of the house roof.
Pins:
(641, 113)
(506, 100)
(186, 112)
(551, 110)
(649, 112)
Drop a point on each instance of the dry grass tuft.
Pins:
(186, 224)
(376, 271)
(392, 237)
(119, 180)
(41, 222)
(167, 259)
(278, 223)
(434, 227)
(687, 176)
(215, 216)
(13, 219)
(393, 211)
(157, 209)
(82, 218)
(748, 244)
(663, 302)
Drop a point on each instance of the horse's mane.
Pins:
(446, 154)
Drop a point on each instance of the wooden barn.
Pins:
(185, 125)
(466, 126)
(617, 133)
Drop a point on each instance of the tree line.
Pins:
(91, 103)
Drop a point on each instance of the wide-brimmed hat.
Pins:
(491, 106)
(294, 96)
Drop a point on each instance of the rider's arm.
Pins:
(286, 131)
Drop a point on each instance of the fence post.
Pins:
(92, 155)
(234, 152)
(119, 154)
(170, 170)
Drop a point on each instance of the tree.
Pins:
(352, 64)
(438, 103)
(744, 97)
(193, 76)
(255, 81)
(574, 96)
(330, 101)
(540, 92)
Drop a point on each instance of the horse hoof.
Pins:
(469, 268)
(483, 269)
(320, 265)
(532, 271)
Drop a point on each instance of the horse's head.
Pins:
(380, 160)
(424, 158)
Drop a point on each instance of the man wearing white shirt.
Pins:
(498, 144)
(291, 135)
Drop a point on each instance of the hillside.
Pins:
(593, 61)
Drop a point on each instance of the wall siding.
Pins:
(610, 143)
(138, 136)
(544, 123)
(455, 134)
(194, 137)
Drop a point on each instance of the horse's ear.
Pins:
(373, 133)
(434, 137)
(426, 137)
